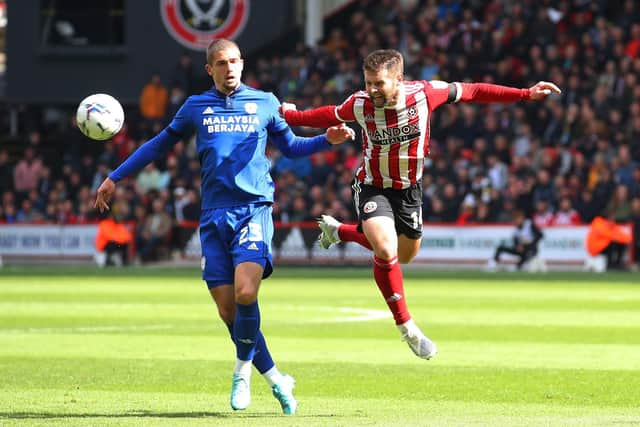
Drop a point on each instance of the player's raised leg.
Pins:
(380, 231)
(333, 231)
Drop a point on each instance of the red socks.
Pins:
(388, 275)
(350, 233)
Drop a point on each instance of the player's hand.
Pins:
(339, 134)
(542, 89)
(286, 106)
(103, 196)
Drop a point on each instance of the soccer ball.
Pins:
(100, 116)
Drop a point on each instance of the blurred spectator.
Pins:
(150, 178)
(26, 213)
(566, 214)
(154, 232)
(542, 215)
(153, 101)
(6, 175)
(619, 207)
(26, 173)
(101, 173)
(183, 76)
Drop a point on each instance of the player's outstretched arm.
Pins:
(291, 145)
(104, 194)
(321, 117)
(487, 92)
(144, 155)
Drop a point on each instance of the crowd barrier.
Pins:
(295, 243)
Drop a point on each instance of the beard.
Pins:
(385, 100)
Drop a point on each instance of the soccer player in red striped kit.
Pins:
(394, 117)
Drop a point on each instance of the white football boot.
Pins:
(329, 231)
(240, 392)
(283, 391)
(418, 342)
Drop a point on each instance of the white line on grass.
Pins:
(356, 314)
(113, 328)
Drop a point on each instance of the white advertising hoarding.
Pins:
(47, 240)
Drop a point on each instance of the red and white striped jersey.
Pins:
(395, 139)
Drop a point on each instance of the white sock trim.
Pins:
(408, 327)
(243, 368)
(273, 376)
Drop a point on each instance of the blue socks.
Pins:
(246, 327)
(262, 358)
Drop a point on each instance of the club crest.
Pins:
(370, 207)
(194, 23)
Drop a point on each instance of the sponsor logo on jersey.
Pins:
(195, 23)
(246, 124)
(369, 118)
(251, 107)
(203, 263)
(253, 247)
(393, 135)
(370, 207)
(207, 110)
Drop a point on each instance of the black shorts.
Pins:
(403, 206)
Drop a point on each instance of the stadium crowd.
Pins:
(565, 161)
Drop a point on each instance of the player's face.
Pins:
(226, 69)
(382, 86)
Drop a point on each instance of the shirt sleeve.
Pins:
(276, 123)
(320, 117)
(182, 123)
(439, 92)
(344, 112)
(291, 145)
(146, 153)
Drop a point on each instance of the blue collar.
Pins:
(241, 87)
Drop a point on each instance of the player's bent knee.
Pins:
(246, 296)
(386, 252)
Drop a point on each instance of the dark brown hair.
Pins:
(388, 59)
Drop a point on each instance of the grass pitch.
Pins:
(144, 347)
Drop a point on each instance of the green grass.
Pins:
(144, 347)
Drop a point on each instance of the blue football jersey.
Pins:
(231, 137)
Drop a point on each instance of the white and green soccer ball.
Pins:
(100, 116)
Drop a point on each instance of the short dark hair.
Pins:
(218, 45)
(388, 59)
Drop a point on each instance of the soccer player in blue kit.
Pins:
(232, 122)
